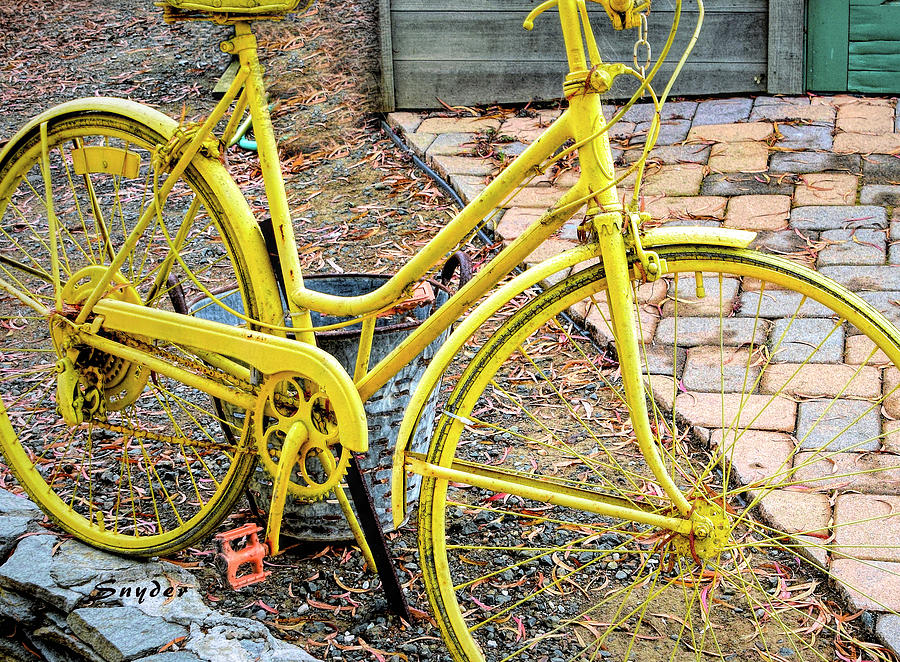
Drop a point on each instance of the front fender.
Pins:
(560, 264)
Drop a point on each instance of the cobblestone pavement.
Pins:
(819, 180)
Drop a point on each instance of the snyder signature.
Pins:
(108, 589)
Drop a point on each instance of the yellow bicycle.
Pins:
(759, 393)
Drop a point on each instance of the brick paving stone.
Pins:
(826, 188)
(858, 143)
(793, 511)
(868, 585)
(860, 349)
(621, 130)
(805, 162)
(755, 455)
(810, 381)
(818, 217)
(714, 369)
(759, 412)
(694, 331)
(864, 117)
(596, 317)
(725, 133)
(852, 247)
(880, 194)
(664, 360)
(526, 129)
(890, 442)
(742, 156)
(536, 196)
(720, 111)
(799, 512)
(669, 154)
(758, 212)
(462, 165)
(670, 132)
(867, 527)
(888, 628)
(458, 124)
(744, 184)
(406, 122)
(785, 242)
(885, 302)
(675, 180)
(688, 207)
(783, 109)
(873, 473)
(865, 278)
(776, 304)
(420, 141)
(451, 144)
(805, 136)
(469, 187)
(719, 295)
(891, 392)
(806, 339)
(514, 221)
(832, 425)
(662, 389)
(881, 169)
(510, 149)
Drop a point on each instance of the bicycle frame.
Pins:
(583, 123)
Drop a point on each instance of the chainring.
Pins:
(287, 398)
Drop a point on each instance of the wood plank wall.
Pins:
(476, 52)
(873, 65)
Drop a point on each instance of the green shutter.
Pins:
(827, 45)
(853, 46)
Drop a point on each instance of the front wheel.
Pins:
(123, 458)
(773, 394)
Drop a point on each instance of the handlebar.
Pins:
(623, 14)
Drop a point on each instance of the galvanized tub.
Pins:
(323, 520)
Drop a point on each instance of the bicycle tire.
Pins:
(151, 474)
(517, 578)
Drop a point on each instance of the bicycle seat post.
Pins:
(243, 44)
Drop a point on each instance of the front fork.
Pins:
(624, 324)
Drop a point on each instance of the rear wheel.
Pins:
(774, 399)
(125, 459)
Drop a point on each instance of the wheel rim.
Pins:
(147, 471)
(484, 565)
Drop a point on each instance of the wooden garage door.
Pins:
(853, 46)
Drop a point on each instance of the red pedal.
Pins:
(230, 560)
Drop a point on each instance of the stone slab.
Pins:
(755, 455)
(759, 412)
(821, 380)
(714, 369)
(12, 503)
(888, 628)
(28, 571)
(122, 633)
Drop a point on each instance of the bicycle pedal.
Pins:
(230, 560)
